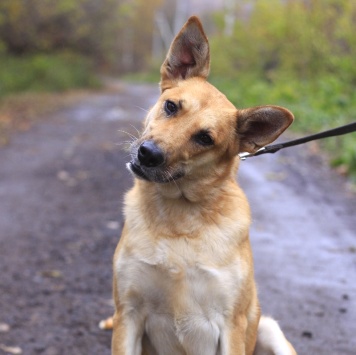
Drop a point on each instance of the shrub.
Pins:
(45, 72)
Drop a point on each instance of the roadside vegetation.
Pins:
(49, 47)
(45, 73)
(57, 45)
(297, 54)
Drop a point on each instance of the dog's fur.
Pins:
(183, 269)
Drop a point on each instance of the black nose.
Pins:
(150, 155)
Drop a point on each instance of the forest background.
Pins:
(296, 53)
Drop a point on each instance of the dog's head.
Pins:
(193, 130)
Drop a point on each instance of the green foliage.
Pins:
(115, 34)
(290, 37)
(296, 54)
(319, 105)
(43, 72)
(46, 25)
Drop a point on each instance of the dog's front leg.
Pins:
(238, 337)
(127, 335)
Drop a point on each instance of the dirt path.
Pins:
(61, 188)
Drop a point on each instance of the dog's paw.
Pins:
(271, 340)
(106, 324)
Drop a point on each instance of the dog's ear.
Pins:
(259, 126)
(188, 55)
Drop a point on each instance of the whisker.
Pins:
(141, 108)
(130, 142)
(138, 132)
(125, 142)
(172, 179)
(129, 134)
(124, 145)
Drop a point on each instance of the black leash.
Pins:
(276, 147)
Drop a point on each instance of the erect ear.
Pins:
(188, 55)
(259, 126)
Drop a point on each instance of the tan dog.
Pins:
(183, 269)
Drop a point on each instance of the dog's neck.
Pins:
(202, 188)
(174, 208)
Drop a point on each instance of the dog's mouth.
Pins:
(137, 170)
(156, 174)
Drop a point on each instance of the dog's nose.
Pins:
(150, 155)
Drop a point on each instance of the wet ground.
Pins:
(61, 188)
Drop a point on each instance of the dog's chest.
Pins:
(180, 291)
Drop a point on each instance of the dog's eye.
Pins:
(170, 108)
(204, 138)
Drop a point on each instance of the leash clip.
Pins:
(276, 147)
(245, 155)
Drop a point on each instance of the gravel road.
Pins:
(61, 188)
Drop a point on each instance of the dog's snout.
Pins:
(150, 155)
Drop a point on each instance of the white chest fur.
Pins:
(179, 293)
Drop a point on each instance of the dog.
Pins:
(183, 270)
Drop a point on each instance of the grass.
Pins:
(45, 73)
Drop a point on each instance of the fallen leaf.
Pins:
(63, 175)
(66, 178)
(4, 327)
(55, 274)
(11, 349)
